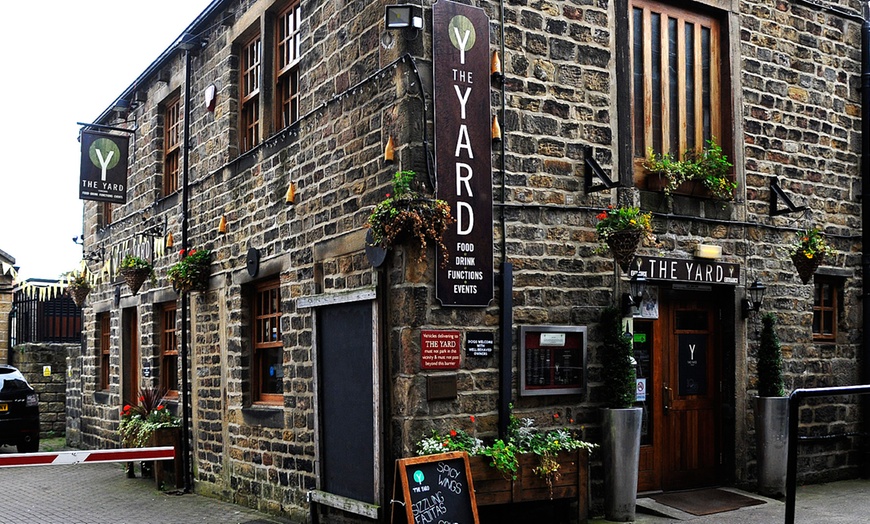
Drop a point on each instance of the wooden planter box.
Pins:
(491, 487)
(168, 473)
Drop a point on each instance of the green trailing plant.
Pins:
(136, 263)
(809, 243)
(711, 167)
(770, 380)
(617, 359)
(407, 215)
(522, 437)
(191, 272)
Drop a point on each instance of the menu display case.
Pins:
(552, 360)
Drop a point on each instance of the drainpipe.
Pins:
(187, 44)
(865, 220)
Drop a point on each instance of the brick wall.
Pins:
(30, 359)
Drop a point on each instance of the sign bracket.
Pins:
(592, 167)
(776, 193)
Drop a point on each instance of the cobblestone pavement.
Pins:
(102, 494)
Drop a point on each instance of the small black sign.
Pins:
(103, 167)
(693, 364)
(479, 343)
(438, 488)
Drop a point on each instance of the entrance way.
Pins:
(679, 355)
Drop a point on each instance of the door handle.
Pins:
(667, 398)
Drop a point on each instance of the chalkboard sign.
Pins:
(437, 489)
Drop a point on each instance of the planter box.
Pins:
(168, 473)
(693, 188)
(491, 487)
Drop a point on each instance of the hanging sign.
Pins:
(103, 167)
(463, 151)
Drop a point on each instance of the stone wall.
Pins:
(31, 359)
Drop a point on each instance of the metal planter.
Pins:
(621, 451)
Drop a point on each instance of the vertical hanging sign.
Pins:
(463, 151)
(103, 167)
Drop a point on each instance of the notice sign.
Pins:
(479, 343)
(463, 151)
(103, 167)
(440, 349)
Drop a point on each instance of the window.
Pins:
(676, 80)
(104, 213)
(267, 366)
(250, 94)
(103, 348)
(169, 349)
(171, 143)
(825, 309)
(287, 48)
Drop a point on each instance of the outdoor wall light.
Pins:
(708, 251)
(632, 299)
(404, 16)
(755, 294)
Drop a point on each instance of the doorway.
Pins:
(130, 356)
(679, 354)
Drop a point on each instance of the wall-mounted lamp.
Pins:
(632, 299)
(752, 302)
(169, 240)
(496, 129)
(389, 150)
(222, 226)
(708, 251)
(404, 16)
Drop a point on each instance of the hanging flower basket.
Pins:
(808, 252)
(78, 293)
(192, 272)
(135, 271)
(806, 267)
(623, 245)
(620, 230)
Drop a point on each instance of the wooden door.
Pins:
(130, 356)
(689, 426)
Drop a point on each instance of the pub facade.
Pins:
(316, 357)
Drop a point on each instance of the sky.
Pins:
(65, 62)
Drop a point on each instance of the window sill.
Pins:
(265, 415)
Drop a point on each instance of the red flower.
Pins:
(452, 432)
(472, 419)
(191, 252)
(142, 398)
(181, 253)
(602, 215)
(388, 195)
(555, 415)
(160, 407)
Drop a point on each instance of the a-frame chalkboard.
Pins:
(438, 488)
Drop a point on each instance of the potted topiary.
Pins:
(621, 422)
(406, 215)
(771, 413)
(79, 286)
(135, 271)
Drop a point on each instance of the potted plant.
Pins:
(621, 229)
(406, 215)
(79, 286)
(143, 420)
(529, 464)
(771, 413)
(135, 271)
(192, 272)
(808, 252)
(621, 422)
(711, 168)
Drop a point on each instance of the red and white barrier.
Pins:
(77, 457)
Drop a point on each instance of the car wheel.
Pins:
(31, 446)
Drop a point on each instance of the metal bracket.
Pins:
(777, 193)
(592, 167)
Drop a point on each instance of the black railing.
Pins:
(793, 408)
(34, 320)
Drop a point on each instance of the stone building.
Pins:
(260, 135)
(7, 278)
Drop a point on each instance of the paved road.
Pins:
(102, 494)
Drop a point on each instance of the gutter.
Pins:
(865, 223)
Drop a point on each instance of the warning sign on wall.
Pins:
(440, 349)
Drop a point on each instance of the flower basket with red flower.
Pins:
(192, 272)
(621, 229)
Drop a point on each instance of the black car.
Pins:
(19, 411)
